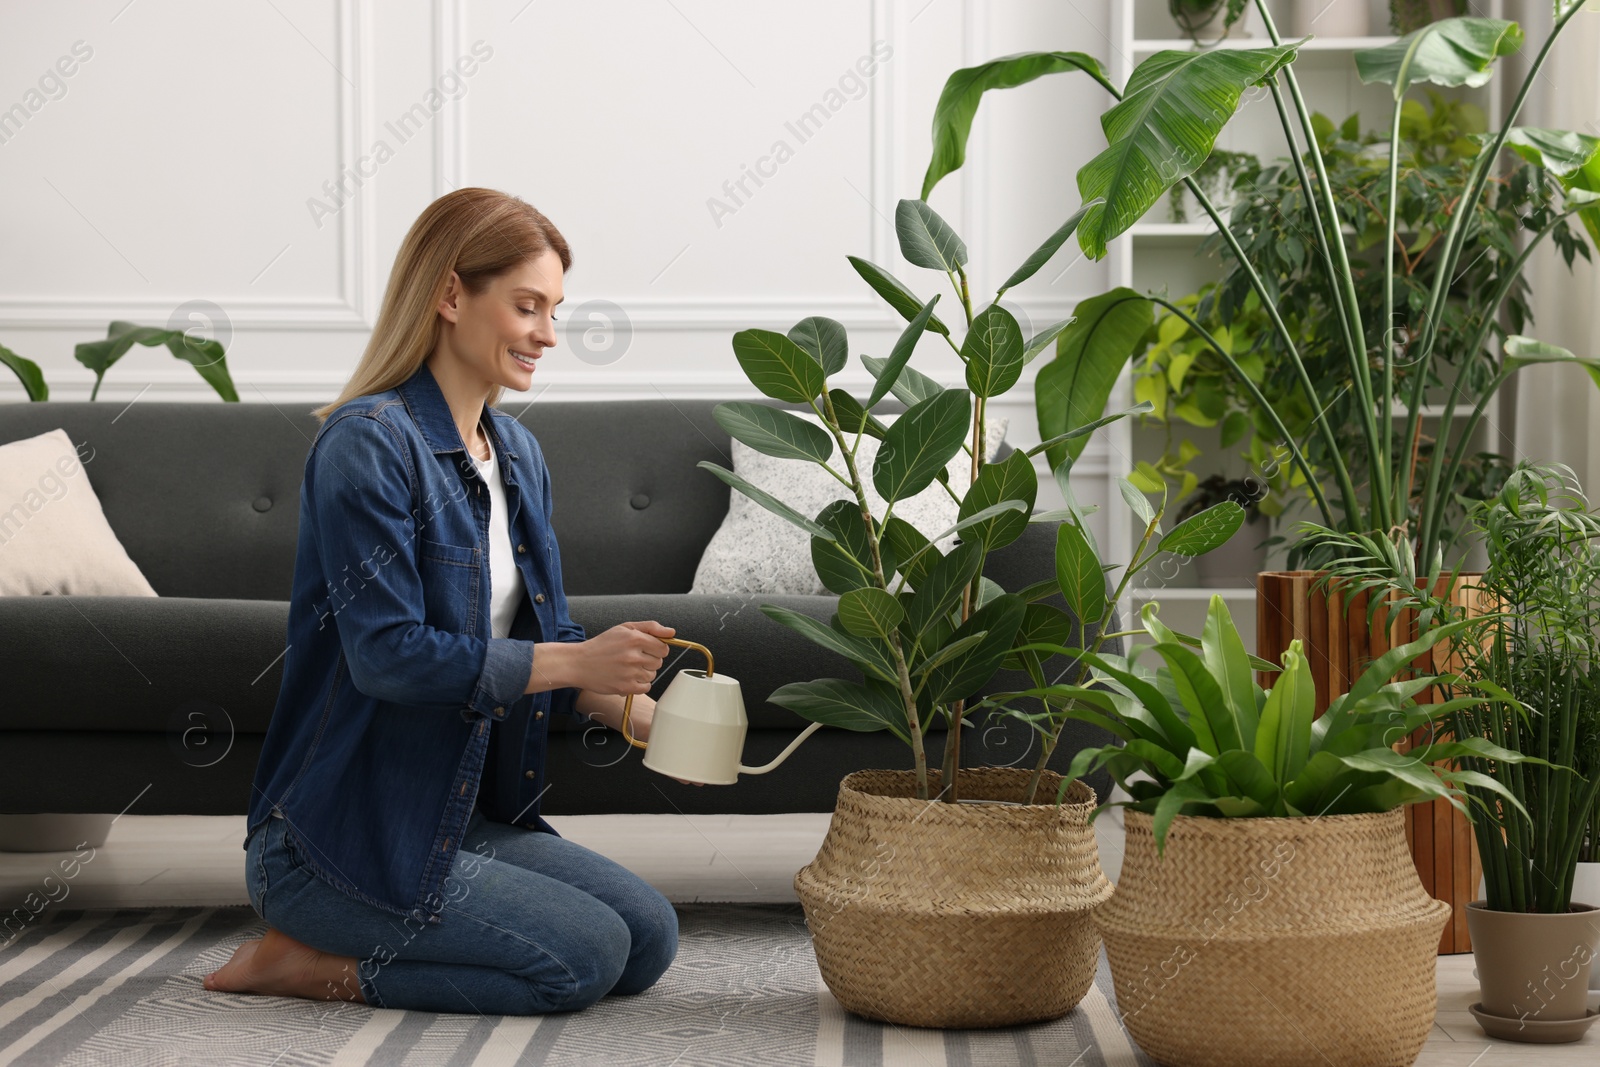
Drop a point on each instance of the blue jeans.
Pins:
(532, 923)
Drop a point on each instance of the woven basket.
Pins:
(926, 913)
(1274, 941)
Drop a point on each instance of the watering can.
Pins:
(699, 726)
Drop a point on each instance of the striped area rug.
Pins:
(122, 986)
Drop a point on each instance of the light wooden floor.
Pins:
(185, 860)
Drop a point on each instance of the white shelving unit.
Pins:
(1156, 254)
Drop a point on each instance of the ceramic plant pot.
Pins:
(1533, 971)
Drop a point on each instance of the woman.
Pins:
(394, 842)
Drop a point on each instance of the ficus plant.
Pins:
(1164, 125)
(1199, 736)
(927, 629)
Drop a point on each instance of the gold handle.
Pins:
(627, 705)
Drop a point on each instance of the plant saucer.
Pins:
(1540, 1031)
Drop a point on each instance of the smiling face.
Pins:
(496, 336)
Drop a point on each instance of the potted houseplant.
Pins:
(1266, 867)
(1392, 482)
(981, 878)
(1204, 20)
(1533, 937)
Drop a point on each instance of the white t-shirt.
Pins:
(505, 581)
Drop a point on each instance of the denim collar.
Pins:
(431, 412)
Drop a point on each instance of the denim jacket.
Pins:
(398, 711)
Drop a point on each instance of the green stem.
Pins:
(1455, 239)
(902, 673)
(1344, 279)
(1261, 403)
(1341, 472)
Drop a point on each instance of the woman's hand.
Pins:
(623, 659)
(640, 717)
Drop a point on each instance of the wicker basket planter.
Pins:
(924, 913)
(1274, 941)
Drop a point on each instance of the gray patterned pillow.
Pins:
(755, 551)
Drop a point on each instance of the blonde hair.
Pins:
(478, 233)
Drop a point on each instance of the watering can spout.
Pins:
(699, 727)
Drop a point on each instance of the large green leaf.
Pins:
(774, 431)
(766, 500)
(825, 340)
(891, 289)
(870, 612)
(921, 443)
(206, 355)
(27, 372)
(1089, 427)
(900, 355)
(853, 417)
(940, 590)
(993, 351)
(777, 366)
(1210, 529)
(845, 562)
(1174, 106)
(1041, 624)
(1042, 254)
(1078, 572)
(1203, 696)
(1073, 388)
(1574, 158)
(963, 91)
(910, 385)
(1522, 351)
(962, 675)
(1283, 740)
(863, 653)
(1454, 51)
(1013, 478)
(912, 551)
(926, 240)
(848, 705)
(1226, 658)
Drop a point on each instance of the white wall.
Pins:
(183, 158)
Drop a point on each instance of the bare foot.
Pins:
(279, 966)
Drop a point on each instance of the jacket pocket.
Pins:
(450, 579)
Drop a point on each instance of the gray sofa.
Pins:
(158, 705)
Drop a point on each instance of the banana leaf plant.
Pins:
(205, 354)
(1163, 126)
(1199, 736)
(927, 629)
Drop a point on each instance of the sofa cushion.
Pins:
(54, 537)
(757, 551)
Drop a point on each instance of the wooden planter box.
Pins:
(1339, 643)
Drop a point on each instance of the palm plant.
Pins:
(1164, 126)
(1540, 645)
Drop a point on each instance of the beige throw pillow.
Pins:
(755, 551)
(54, 537)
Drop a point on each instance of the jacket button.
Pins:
(538, 598)
(527, 774)
(640, 501)
(500, 711)
(522, 548)
(538, 715)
